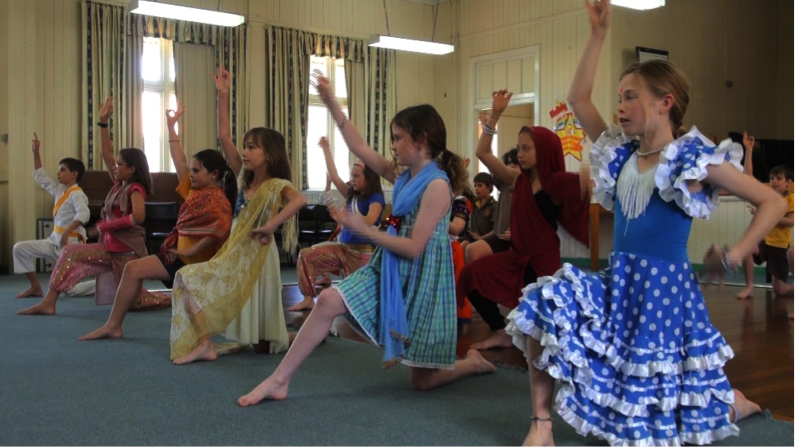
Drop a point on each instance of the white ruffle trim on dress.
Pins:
(683, 160)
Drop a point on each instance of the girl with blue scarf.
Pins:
(403, 300)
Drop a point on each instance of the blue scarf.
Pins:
(393, 327)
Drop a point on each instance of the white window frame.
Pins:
(331, 127)
(165, 87)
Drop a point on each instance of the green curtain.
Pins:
(371, 78)
(195, 89)
(287, 93)
(110, 63)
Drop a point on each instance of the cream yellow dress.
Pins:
(240, 287)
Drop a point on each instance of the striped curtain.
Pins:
(371, 76)
(110, 66)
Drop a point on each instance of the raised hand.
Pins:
(323, 143)
(172, 116)
(337, 213)
(323, 86)
(600, 13)
(223, 81)
(106, 110)
(35, 143)
(748, 141)
(499, 102)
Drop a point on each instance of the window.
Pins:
(321, 124)
(157, 71)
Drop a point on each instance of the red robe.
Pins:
(534, 242)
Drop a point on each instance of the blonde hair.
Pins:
(663, 78)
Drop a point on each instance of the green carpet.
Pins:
(58, 391)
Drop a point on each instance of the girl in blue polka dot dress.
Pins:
(638, 361)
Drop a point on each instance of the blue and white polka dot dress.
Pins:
(637, 357)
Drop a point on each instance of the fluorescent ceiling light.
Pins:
(184, 13)
(640, 4)
(417, 46)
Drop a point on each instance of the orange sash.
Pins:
(63, 199)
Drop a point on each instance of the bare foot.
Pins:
(499, 339)
(307, 304)
(268, 389)
(41, 308)
(540, 433)
(30, 292)
(204, 352)
(747, 292)
(324, 281)
(103, 332)
(482, 366)
(744, 406)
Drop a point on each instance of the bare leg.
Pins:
(424, 379)
(789, 257)
(744, 406)
(498, 339)
(781, 288)
(130, 285)
(34, 289)
(541, 388)
(476, 250)
(44, 307)
(308, 303)
(312, 333)
(748, 271)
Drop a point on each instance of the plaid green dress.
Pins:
(429, 294)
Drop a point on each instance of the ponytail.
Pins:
(229, 182)
(453, 166)
(212, 160)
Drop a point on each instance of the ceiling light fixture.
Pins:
(168, 11)
(403, 44)
(417, 46)
(642, 5)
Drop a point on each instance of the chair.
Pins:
(324, 224)
(161, 218)
(307, 226)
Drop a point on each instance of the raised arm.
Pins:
(105, 113)
(599, 14)
(499, 102)
(177, 152)
(331, 168)
(355, 143)
(222, 84)
(748, 142)
(35, 147)
(433, 206)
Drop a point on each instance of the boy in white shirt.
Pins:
(69, 214)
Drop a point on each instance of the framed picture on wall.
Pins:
(645, 54)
